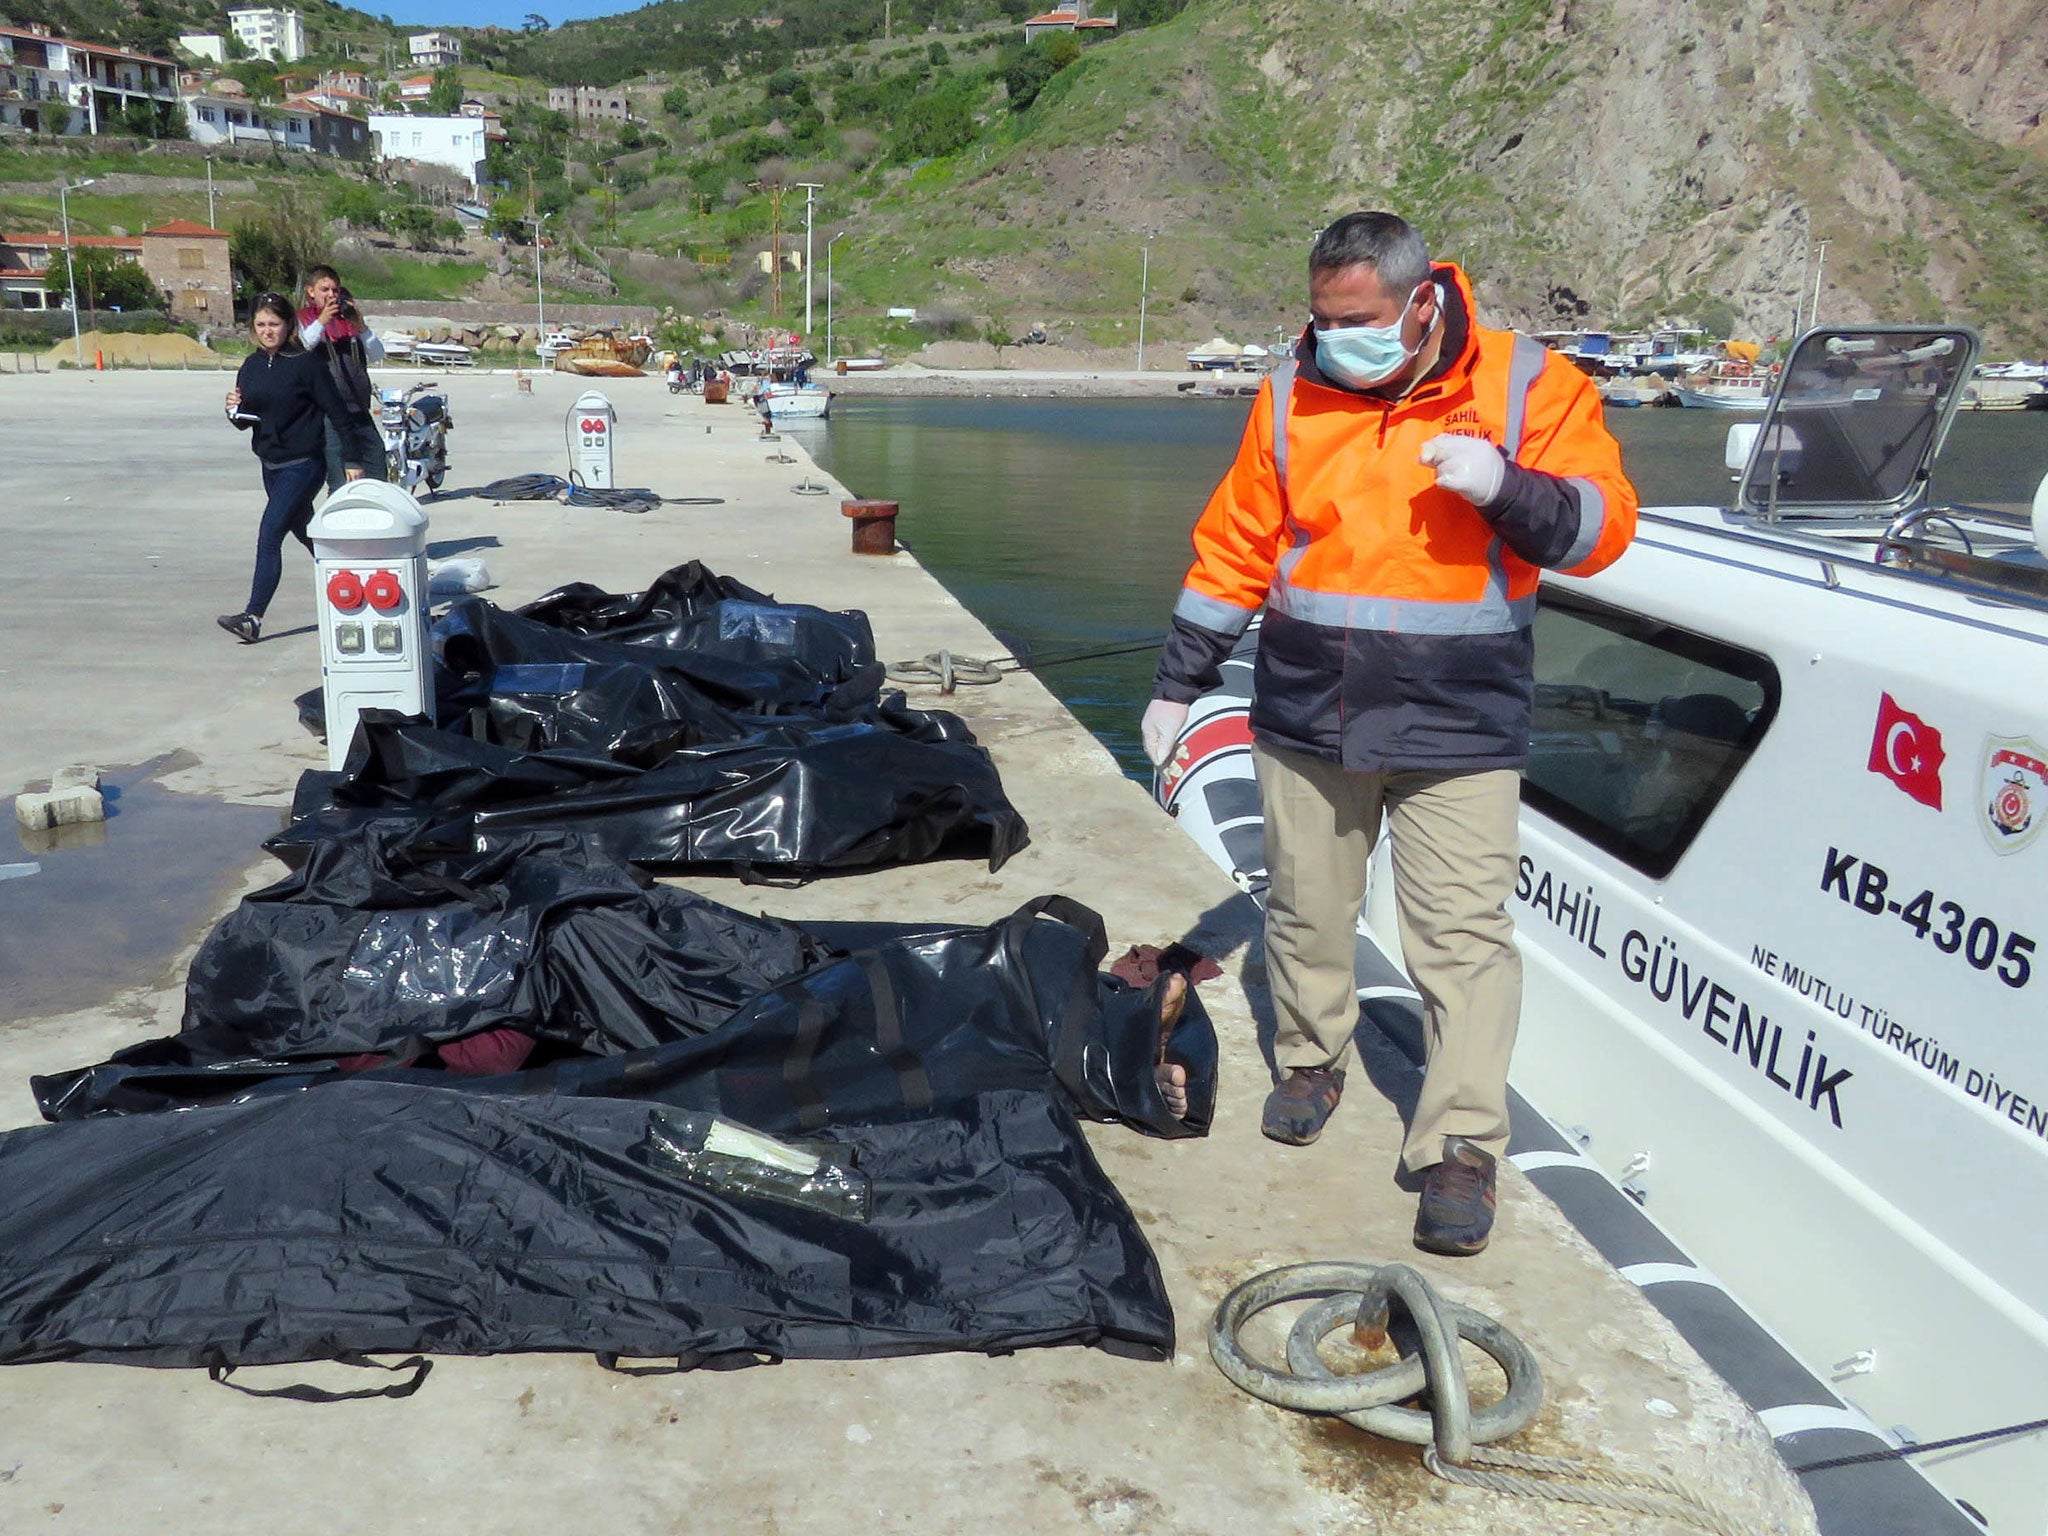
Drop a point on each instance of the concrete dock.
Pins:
(130, 525)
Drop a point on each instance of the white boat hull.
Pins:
(808, 403)
(1700, 399)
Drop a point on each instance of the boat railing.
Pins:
(1929, 545)
(1937, 542)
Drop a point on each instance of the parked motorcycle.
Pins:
(416, 424)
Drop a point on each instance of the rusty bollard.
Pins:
(874, 525)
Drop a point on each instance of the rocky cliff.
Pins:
(1591, 161)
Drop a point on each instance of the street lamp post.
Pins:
(829, 354)
(811, 190)
(70, 272)
(540, 299)
(210, 221)
(1819, 265)
(1144, 287)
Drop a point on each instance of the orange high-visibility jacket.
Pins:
(1397, 627)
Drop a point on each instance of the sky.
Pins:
(494, 13)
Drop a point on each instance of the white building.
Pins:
(269, 33)
(94, 85)
(456, 142)
(204, 45)
(436, 50)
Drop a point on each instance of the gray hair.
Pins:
(1387, 243)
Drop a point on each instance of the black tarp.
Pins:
(696, 724)
(378, 947)
(382, 1215)
(786, 805)
(313, 1215)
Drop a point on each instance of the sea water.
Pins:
(1063, 523)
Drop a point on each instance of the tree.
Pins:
(507, 220)
(56, 118)
(1029, 70)
(105, 279)
(413, 223)
(784, 82)
(675, 101)
(357, 203)
(271, 248)
(997, 334)
(444, 97)
(535, 22)
(937, 54)
(932, 125)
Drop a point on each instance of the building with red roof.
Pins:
(1068, 16)
(46, 80)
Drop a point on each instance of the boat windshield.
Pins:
(1857, 421)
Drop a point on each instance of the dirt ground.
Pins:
(166, 351)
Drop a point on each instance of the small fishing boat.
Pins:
(787, 400)
(443, 354)
(1731, 384)
(1783, 884)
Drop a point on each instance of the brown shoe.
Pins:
(1456, 1214)
(1301, 1104)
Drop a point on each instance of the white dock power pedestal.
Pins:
(370, 570)
(593, 423)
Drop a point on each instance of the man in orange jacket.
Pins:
(1402, 480)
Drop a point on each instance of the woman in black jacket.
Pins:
(282, 396)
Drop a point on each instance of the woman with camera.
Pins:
(332, 327)
(284, 399)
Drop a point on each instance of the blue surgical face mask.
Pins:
(1365, 355)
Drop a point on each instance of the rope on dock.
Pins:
(946, 671)
(1455, 1436)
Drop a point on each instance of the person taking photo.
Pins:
(332, 327)
(284, 398)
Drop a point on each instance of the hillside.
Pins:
(1591, 161)
(1613, 162)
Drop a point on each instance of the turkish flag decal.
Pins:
(1907, 750)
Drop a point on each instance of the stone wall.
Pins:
(398, 314)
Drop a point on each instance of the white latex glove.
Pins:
(1470, 466)
(1161, 728)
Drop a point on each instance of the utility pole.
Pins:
(540, 298)
(811, 190)
(1144, 287)
(775, 261)
(210, 222)
(1819, 265)
(885, 20)
(70, 271)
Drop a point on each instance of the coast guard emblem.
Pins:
(2012, 791)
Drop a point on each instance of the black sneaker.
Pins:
(1301, 1104)
(243, 626)
(1456, 1214)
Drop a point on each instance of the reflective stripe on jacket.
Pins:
(1397, 629)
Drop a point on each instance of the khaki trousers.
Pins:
(1455, 846)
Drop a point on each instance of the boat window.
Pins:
(1639, 727)
(1857, 420)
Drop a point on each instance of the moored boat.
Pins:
(1730, 384)
(1782, 887)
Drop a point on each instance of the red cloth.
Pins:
(487, 1053)
(338, 329)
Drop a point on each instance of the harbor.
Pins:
(108, 657)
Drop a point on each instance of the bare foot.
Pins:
(1171, 1076)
